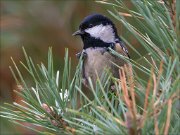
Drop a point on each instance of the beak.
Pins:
(79, 32)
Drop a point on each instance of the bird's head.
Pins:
(97, 31)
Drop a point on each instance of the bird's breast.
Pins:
(97, 60)
(97, 57)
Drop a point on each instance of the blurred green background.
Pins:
(37, 25)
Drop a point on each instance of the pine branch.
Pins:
(55, 101)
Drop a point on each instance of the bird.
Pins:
(99, 34)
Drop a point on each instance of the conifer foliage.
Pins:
(56, 102)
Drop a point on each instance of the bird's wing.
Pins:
(121, 48)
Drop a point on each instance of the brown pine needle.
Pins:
(168, 117)
(71, 130)
(132, 92)
(146, 101)
(125, 14)
(124, 88)
(155, 87)
(154, 107)
(173, 98)
(128, 70)
(131, 120)
(156, 128)
(129, 15)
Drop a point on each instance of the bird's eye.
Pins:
(90, 25)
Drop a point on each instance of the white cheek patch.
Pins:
(105, 33)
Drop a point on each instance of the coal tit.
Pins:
(98, 34)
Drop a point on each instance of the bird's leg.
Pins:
(83, 53)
